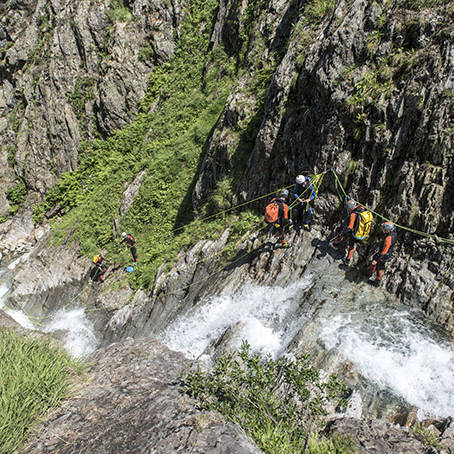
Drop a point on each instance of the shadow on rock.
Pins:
(243, 256)
(324, 248)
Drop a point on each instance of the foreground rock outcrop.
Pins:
(132, 402)
(378, 436)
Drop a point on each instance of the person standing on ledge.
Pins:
(304, 195)
(131, 243)
(356, 228)
(276, 214)
(377, 267)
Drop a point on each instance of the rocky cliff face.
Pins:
(72, 71)
(369, 92)
(360, 87)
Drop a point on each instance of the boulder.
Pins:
(133, 402)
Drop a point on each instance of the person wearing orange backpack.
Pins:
(377, 267)
(277, 215)
(131, 243)
(356, 228)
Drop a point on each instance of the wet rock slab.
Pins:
(132, 402)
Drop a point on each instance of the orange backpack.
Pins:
(275, 210)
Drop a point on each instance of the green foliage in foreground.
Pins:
(33, 378)
(279, 403)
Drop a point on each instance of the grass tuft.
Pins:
(33, 378)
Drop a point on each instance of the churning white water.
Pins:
(397, 352)
(75, 330)
(267, 317)
(78, 337)
(390, 347)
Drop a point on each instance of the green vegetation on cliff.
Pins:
(167, 140)
(34, 377)
(279, 403)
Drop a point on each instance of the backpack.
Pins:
(364, 223)
(275, 210)
(96, 258)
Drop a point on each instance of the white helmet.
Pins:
(123, 234)
(283, 193)
(388, 226)
(300, 179)
(351, 204)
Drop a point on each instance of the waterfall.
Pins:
(70, 325)
(392, 348)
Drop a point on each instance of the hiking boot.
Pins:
(375, 283)
(307, 227)
(285, 244)
(346, 261)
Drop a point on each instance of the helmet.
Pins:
(350, 204)
(283, 193)
(123, 234)
(300, 179)
(388, 226)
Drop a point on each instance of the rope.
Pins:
(417, 232)
(228, 209)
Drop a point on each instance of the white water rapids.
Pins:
(392, 347)
(389, 346)
(76, 331)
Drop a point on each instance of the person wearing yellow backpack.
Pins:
(356, 228)
(98, 271)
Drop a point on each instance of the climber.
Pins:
(356, 227)
(131, 243)
(101, 266)
(304, 195)
(377, 267)
(276, 214)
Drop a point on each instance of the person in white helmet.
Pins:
(131, 243)
(377, 267)
(304, 195)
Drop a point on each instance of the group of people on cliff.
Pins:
(296, 211)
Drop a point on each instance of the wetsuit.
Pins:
(283, 219)
(304, 191)
(131, 243)
(97, 273)
(350, 226)
(385, 255)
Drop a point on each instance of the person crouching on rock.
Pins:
(377, 267)
(98, 271)
(276, 214)
(131, 243)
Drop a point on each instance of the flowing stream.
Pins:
(70, 325)
(392, 348)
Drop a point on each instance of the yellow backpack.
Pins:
(96, 258)
(364, 223)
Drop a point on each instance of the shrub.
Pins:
(279, 403)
